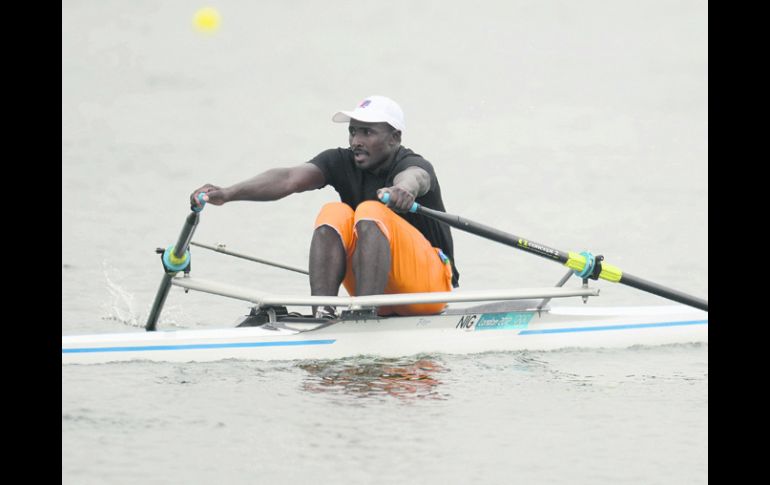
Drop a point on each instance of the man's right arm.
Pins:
(273, 184)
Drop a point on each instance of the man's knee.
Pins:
(326, 231)
(334, 218)
(326, 236)
(370, 232)
(367, 229)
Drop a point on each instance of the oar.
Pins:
(584, 264)
(175, 258)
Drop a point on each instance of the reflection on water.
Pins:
(404, 378)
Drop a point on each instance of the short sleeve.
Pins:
(325, 161)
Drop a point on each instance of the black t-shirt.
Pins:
(355, 186)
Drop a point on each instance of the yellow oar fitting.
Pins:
(610, 273)
(577, 262)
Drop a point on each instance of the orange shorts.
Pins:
(416, 266)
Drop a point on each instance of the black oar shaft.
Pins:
(496, 235)
(611, 273)
(160, 300)
(185, 236)
(670, 293)
(187, 233)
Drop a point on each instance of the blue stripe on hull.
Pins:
(287, 343)
(613, 327)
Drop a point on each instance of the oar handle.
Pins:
(385, 198)
(200, 198)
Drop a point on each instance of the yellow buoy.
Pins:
(206, 20)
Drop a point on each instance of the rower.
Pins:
(367, 247)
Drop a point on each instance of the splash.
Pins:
(120, 305)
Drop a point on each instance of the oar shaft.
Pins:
(496, 235)
(178, 251)
(160, 300)
(186, 235)
(660, 290)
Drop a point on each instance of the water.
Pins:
(578, 126)
(560, 417)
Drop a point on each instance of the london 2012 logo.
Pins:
(365, 103)
(495, 321)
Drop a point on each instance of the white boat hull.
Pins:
(462, 333)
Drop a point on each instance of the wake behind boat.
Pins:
(510, 320)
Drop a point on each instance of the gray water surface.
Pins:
(580, 125)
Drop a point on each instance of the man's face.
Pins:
(372, 143)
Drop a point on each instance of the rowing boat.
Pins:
(473, 322)
(506, 325)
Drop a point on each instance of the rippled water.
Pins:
(630, 416)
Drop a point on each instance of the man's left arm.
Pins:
(407, 186)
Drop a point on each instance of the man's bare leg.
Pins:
(371, 259)
(327, 262)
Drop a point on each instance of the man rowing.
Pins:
(369, 247)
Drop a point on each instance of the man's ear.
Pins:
(397, 135)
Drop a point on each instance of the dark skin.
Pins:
(374, 147)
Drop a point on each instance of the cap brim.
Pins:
(342, 116)
(345, 116)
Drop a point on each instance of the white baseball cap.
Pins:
(374, 109)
